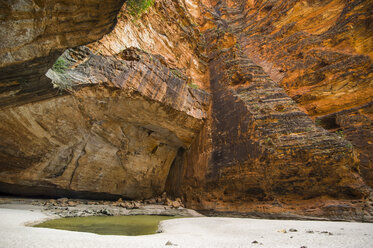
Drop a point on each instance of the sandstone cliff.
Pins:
(259, 152)
(119, 135)
(127, 114)
(249, 107)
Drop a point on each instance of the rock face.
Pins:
(129, 114)
(117, 136)
(320, 52)
(35, 33)
(260, 152)
(355, 125)
(135, 122)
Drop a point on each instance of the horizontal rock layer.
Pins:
(259, 152)
(355, 125)
(320, 52)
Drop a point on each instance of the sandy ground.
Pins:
(188, 232)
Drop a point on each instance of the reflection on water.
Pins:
(109, 225)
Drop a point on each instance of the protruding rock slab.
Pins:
(34, 33)
(117, 134)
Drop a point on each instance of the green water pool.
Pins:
(109, 225)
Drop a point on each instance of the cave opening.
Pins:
(328, 123)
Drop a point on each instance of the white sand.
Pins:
(189, 232)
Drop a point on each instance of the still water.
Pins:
(109, 225)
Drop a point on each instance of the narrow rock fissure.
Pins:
(81, 153)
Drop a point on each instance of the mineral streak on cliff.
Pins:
(260, 152)
(321, 53)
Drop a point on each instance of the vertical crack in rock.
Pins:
(81, 153)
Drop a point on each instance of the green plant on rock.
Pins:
(137, 7)
(340, 133)
(308, 129)
(349, 145)
(60, 65)
(177, 73)
(193, 85)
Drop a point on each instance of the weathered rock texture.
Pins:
(356, 126)
(134, 124)
(35, 32)
(130, 113)
(118, 136)
(168, 29)
(319, 51)
(260, 152)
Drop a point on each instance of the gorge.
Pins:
(249, 108)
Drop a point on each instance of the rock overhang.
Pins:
(117, 132)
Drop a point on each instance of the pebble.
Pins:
(326, 232)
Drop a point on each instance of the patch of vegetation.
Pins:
(308, 129)
(349, 145)
(137, 7)
(177, 73)
(60, 65)
(340, 133)
(193, 85)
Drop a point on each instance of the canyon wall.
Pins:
(320, 52)
(260, 152)
(120, 118)
(238, 107)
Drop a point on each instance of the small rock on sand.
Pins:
(170, 243)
